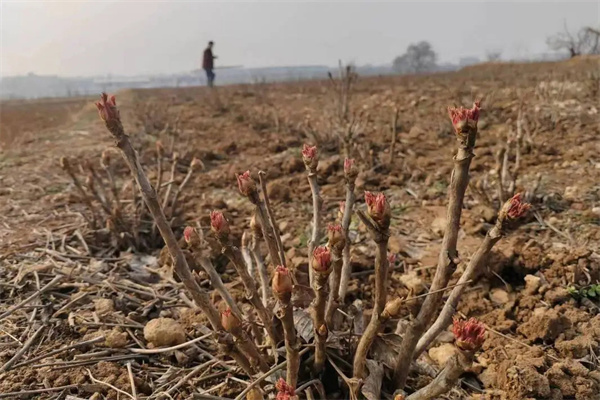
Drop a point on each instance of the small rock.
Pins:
(557, 295)
(570, 193)
(442, 353)
(116, 339)
(439, 226)
(104, 306)
(499, 296)
(532, 284)
(164, 332)
(396, 244)
(596, 210)
(544, 324)
(578, 347)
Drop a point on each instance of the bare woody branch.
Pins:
(336, 243)
(465, 126)
(377, 222)
(107, 108)
(350, 174)
(511, 211)
(310, 157)
(321, 265)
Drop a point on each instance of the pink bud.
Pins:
(310, 157)
(378, 208)
(107, 108)
(335, 237)
(246, 184)
(350, 169)
(469, 335)
(517, 208)
(196, 164)
(229, 320)
(219, 224)
(391, 258)
(321, 259)
(284, 391)
(187, 233)
(461, 116)
(282, 282)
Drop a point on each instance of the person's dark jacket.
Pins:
(208, 59)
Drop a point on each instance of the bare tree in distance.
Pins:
(493, 55)
(586, 41)
(419, 58)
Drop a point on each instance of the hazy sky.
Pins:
(137, 37)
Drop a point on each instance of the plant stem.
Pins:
(272, 222)
(470, 273)
(334, 296)
(447, 378)
(448, 257)
(316, 224)
(346, 265)
(380, 236)
(321, 288)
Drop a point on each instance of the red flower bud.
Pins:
(218, 224)
(378, 208)
(462, 115)
(284, 391)
(350, 169)
(282, 282)
(107, 108)
(469, 335)
(516, 208)
(246, 184)
(310, 157)
(321, 261)
(229, 320)
(391, 258)
(187, 233)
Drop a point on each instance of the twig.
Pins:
(317, 203)
(168, 349)
(17, 395)
(264, 376)
(171, 180)
(63, 349)
(130, 373)
(23, 349)
(393, 128)
(109, 385)
(46, 287)
(346, 218)
(321, 288)
(272, 222)
(217, 283)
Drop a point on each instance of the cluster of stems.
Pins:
(329, 269)
(117, 209)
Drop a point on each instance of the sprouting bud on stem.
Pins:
(378, 209)
(246, 184)
(282, 283)
(229, 321)
(350, 170)
(469, 335)
(392, 308)
(465, 122)
(107, 108)
(191, 236)
(219, 225)
(175, 156)
(335, 237)
(513, 209)
(321, 261)
(391, 258)
(310, 157)
(284, 391)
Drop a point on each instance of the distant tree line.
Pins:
(418, 59)
(585, 41)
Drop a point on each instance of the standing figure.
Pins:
(208, 63)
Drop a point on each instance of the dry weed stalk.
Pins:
(310, 157)
(346, 207)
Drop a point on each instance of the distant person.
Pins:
(208, 64)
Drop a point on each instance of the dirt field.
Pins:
(542, 341)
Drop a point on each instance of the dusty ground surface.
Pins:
(542, 343)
